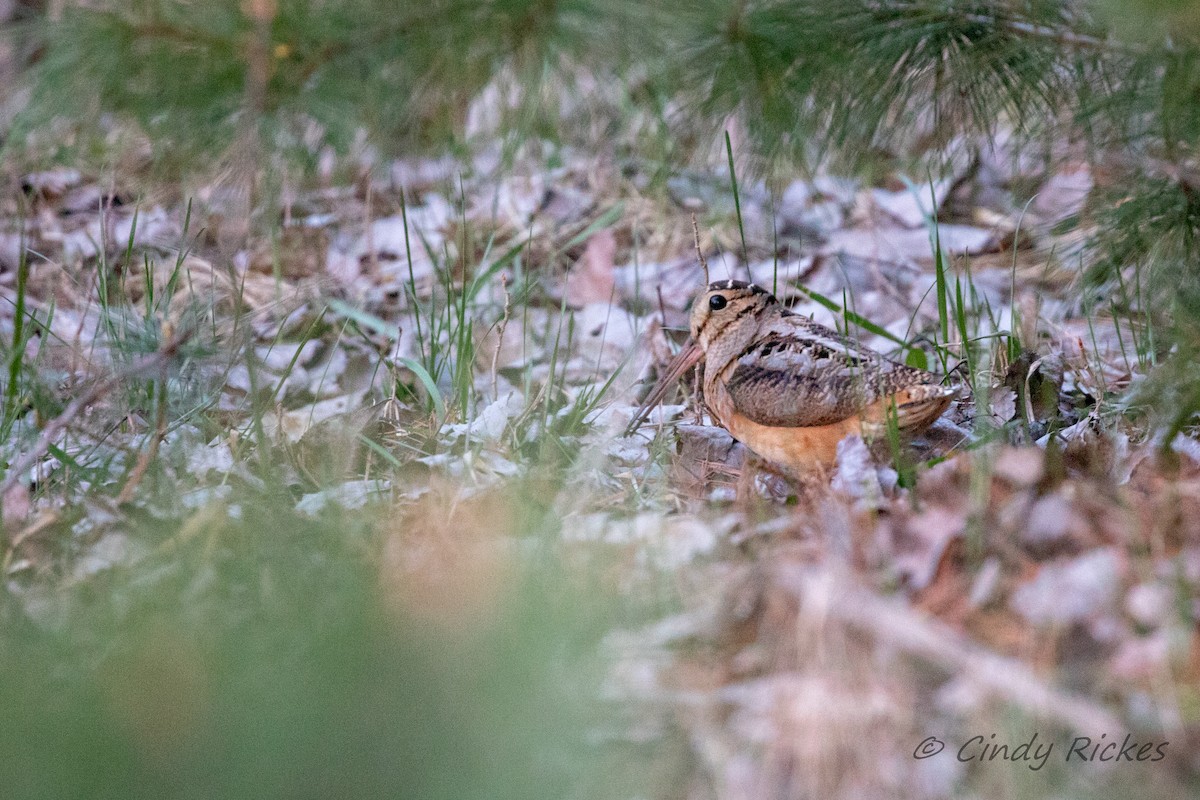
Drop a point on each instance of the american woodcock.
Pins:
(789, 388)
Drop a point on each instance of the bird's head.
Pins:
(724, 304)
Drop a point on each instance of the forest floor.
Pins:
(357, 460)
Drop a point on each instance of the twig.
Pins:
(500, 335)
(696, 390)
(102, 387)
(699, 254)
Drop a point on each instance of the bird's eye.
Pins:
(717, 302)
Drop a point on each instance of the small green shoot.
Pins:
(737, 200)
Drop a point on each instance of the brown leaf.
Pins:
(1020, 466)
(1071, 591)
(592, 279)
(705, 453)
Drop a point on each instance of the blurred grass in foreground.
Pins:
(280, 656)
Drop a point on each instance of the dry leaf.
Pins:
(912, 208)
(1051, 525)
(592, 279)
(1070, 591)
(1003, 404)
(1020, 466)
(704, 452)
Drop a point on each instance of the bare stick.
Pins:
(704, 264)
(500, 335)
(76, 406)
(699, 254)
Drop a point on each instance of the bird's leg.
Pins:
(745, 489)
(811, 486)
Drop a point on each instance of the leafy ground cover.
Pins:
(338, 503)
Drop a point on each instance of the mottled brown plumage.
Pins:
(789, 388)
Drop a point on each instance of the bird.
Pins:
(790, 388)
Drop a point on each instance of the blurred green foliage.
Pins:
(299, 73)
(806, 77)
(267, 656)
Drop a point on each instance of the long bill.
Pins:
(685, 360)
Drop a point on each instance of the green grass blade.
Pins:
(363, 318)
(737, 200)
(858, 319)
(960, 317)
(412, 281)
(916, 358)
(939, 266)
(435, 394)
